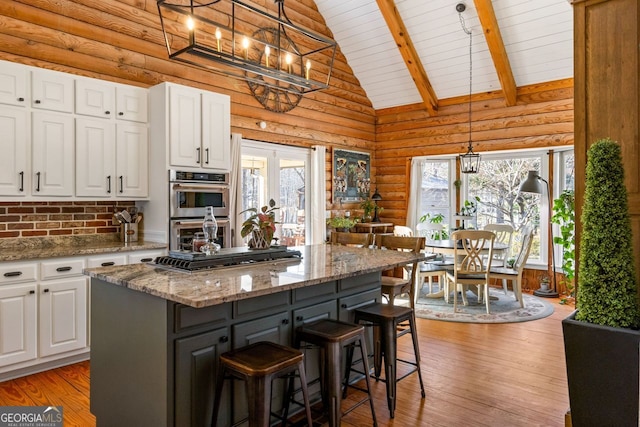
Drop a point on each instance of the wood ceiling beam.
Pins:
(409, 54)
(491, 31)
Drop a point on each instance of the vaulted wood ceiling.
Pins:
(416, 51)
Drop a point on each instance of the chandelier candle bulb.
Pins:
(245, 46)
(267, 51)
(287, 60)
(308, 68)
(218, 37)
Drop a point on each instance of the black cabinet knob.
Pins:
(224, 339)
(285, 321)
(299, 318)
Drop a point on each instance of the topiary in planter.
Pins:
(607, 286)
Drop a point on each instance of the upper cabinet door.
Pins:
(184, 127)
(14, 86)
(95, 98)
(95, 157)
(52, 91)
(52, 154)
(216, 139)
(14, 146)
(132, 153)
(132, 103)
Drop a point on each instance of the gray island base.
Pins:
(156, 334)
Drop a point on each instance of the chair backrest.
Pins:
(430, 231)
(504, 234)
(401, 230)
(474, 251)
(523, 255)
(351, 239)
(400, 243)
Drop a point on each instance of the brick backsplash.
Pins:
(40, 219)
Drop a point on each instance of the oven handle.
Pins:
(194, 222)
(196, 187)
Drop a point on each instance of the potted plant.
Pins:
(564, 217)
(368, 207)
(261, 225)
(601, 337)
(341, 223)
(436, 219)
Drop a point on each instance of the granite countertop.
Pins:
(27, 249)
(319, 264)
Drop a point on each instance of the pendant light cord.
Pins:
(468, 31)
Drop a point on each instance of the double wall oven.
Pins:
(189, 195)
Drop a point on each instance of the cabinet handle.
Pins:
(198, 155)
(285, 321)
(21, 180)
(299, 318)
(224, 339)
(121, 113)
(38, 181)
(121, 184)
(146, 260)
(108, 264)
(31, 292)
(21, 99)
(13, 274)
(107, 112)
(343, 305)
(62, 269)
(109, 184)
(206, 151)
(46, 290)
(38, 101)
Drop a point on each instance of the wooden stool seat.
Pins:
(258, 365)
(332, 336)
(386, 319)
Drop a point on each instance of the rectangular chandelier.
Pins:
(249, 43)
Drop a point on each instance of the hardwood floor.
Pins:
(475, 375)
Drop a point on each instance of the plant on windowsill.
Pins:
(601, 338)
(436, 219)
(261, 225)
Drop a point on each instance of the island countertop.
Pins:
(318, 264)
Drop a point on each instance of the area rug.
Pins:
(504, 308)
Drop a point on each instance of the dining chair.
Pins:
(346, 238)
(504, 234)
(470, 265)
(515, 274)
(402, 230)
(400, 280)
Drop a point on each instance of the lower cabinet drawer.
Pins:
(17, 273)
(61, 268)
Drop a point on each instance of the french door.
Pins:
(280, 173)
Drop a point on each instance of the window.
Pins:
(277, 173)
(497, 186)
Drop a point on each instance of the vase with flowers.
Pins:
(261, 225)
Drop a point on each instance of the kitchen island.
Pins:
(156, 333)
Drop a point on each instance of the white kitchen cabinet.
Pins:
(62, 315)
(52, 170)
(14, 146)
(18, 323)
(144, 256)
(18, 312)
(14, 84)
(104, 99)
(111, 159)
(198, 132)
(52, 90)
(106, 260)
(132, 160)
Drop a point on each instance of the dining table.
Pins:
(447, 247)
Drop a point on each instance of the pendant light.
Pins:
(470, 161)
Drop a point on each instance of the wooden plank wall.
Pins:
(543, 117)
(121, 41)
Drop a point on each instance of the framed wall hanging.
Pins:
(351, 176)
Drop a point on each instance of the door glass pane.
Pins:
(435, 191)
(292, 202)
(254, 182)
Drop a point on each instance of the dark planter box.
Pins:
(603, 372)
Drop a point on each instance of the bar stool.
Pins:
(386, 319)
(332, 336)
(258, 365)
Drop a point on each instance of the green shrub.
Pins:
(607, 286)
